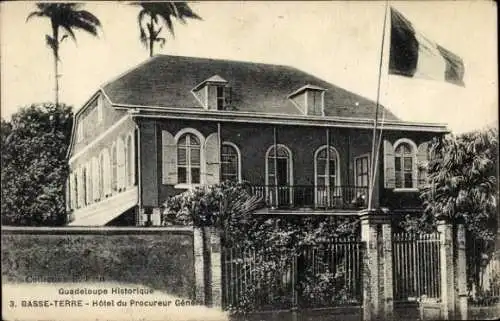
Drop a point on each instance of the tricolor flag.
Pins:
(413, 55)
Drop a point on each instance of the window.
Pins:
(326, 167)
(120, 163)
(309, 99)
(220, 98)
(279, 166)
(403, 166)
(86, 186)
(102, 175)
(188, 159)
(130, 161)
(230, 163)
(361, 171)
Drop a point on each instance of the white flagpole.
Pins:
(374, 154)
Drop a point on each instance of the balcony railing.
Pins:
(310, 196)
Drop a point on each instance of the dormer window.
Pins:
(213, 93)
(220, 98)
(309, 99)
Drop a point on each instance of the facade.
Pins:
(176, 122)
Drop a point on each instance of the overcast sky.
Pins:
(337, 41)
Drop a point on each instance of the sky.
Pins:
(337, 41)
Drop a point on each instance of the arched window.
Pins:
(404, 165)
(326, 162)
(188, 159)
(279, 165)
(327, 179)
(279, 177)
(230, 162)
(130, 161)
(114, 168)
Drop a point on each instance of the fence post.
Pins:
(461, 276)
(377, 265)
(215, 268)
(199, 265)
(447, 270)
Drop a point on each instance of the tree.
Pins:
(34, 166)
(462, 187)
(68, 17)
(462, 181)
(154, 15)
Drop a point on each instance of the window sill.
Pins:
(403, 190)
(186, 186)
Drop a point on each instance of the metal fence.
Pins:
(416, 266)
(325, 275)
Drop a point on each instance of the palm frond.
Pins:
(161, 41)
(53, 44)
(35, 14)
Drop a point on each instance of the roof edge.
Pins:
(241, 114)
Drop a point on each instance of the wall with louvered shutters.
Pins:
(169, 158)
(120, 163)
(389, 167)
(85, 159)
(212, 167)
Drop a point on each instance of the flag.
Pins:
(413, 55)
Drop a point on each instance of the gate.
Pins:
(416, 266)
(324, 275)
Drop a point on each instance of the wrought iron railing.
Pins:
(311, 196)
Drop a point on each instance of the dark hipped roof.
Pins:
(167, 81)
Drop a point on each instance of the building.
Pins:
(176, 122)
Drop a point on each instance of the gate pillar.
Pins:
(461, 276)
(447, 270)
(376, 232)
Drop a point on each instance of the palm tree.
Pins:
(66, 16)
(149, 20)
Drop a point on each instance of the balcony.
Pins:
(312, 197)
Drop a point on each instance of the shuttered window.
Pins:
(114, 169)
(188, 159)
(130, 162)
(102, 175)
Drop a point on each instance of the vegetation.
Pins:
(155, 15)
(34, 166)
(462, 187)
(275, 243)
(64, 19)
(462, 184)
